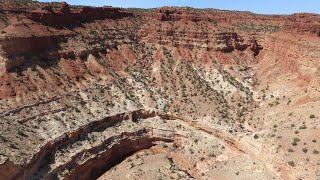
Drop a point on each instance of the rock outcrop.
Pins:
(173, 14)
(304, 24)
(228, 42)
(64, 16)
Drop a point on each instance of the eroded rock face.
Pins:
(173, 14)
(110, 93)
(304, 24)
(228, 42)
(18, 50)
(66, 17)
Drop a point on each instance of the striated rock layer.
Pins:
(167, 93)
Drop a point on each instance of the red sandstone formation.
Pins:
(66, 17)
(303, 24)
(77, 85)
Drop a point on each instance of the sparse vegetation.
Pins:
(158, 86)
(266, 28)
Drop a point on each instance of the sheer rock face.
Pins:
(91, 91)
(66, 17)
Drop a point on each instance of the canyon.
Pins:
(165, 93)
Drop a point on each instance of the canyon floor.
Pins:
(167, 93)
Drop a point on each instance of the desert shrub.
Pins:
(291, 163)
(290, 150)
(295, 140)
(305, 150)
(303, 127)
